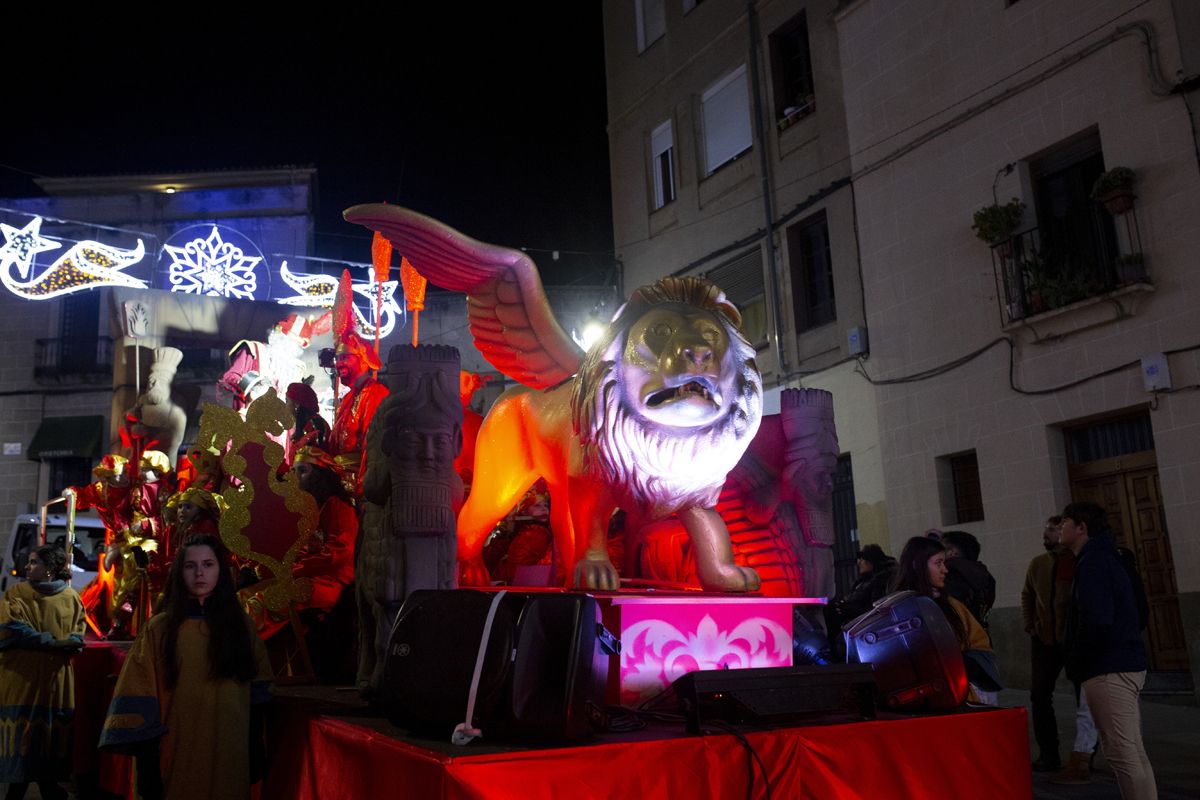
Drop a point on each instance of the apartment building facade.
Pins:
(1004, 378)
(729, 160)
(1055, 363)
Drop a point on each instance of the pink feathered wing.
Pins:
(509, 316)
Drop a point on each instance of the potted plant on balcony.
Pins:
(1114, 189)
(1036, 282)
(995, 224)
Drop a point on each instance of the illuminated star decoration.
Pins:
(212, 267)
(86, 265)
(320, 291)
(21, 245)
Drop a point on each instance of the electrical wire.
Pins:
(751, 760)
(623, 719)
(942, 369)
(848, 158)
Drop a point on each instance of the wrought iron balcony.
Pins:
(201, 360)
(1042, 269)
(81, 358)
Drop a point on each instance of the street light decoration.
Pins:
(86, 265)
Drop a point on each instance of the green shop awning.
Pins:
(68, 437)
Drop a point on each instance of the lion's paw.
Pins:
(732, 578)
(596, 573)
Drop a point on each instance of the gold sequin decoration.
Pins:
(223, 430)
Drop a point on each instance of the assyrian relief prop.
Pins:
(662, 407)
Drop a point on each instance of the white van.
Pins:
(89, 544)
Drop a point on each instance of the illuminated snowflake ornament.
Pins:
(213, 267)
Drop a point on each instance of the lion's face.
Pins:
(672, 371)
(666, 407)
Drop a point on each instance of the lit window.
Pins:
(791, 68)
(651, 22)
(662, 164)
(725, 111)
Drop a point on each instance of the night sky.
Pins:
(492, 120)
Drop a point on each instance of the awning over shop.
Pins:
(67, 437)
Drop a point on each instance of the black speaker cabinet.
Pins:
(916, 656)
(544, 672)
(775, 695)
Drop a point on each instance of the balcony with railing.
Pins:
(84, 359)
(1051, 267)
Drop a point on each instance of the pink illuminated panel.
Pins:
(663, 638)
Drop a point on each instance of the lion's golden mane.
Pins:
(661, 469)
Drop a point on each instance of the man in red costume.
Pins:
(134, 551)
(329, 559)
(110, 496)
(356, 364)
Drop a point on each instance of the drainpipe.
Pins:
(764, 170)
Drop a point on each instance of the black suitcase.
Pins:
(916, 656)
(544, 672)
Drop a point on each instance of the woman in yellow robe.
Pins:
(41, 626)
(193, 721)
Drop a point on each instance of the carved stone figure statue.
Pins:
(412, 492)
(155, 417)
(811, 458)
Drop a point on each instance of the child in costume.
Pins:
(186, 704)
(41, 626)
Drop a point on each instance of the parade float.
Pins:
(655, 512)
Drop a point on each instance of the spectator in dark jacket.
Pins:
(875, 573)
(968, 580)
(1104, 650)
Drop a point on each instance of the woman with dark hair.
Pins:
(923, 570)
(41, 626)
(183, 702)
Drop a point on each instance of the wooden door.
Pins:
(1127, 489)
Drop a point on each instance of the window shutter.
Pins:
(726, 115)
(741, 278)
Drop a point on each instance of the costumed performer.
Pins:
(311, 428)
(41, 626)
(110, 496)
(196, 511)
(134, 554)
(356, 363)
(329, 559)
(328, 563)
(255, 367)
(187, 701)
